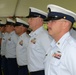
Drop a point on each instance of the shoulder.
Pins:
(14, 35)
(73, 33)
(44, 39)
(44, 35)
(25, 37)
(72, 42)
(71, 46)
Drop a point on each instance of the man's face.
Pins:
(18, 29)
(2, 28)
(9, 28)
(55, 27)
(32, 22)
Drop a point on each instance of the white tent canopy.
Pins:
(10, 8)
(20, 8)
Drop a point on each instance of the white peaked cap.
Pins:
(20, 21)
(34, 12)
(38, 11)
(55, 10)
(2, 22)
(10, 20)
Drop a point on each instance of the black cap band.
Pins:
(57, 15)
(19, 24)
(9, 23)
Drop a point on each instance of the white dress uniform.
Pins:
(38, 45)
(3, 44)
(21, 49)
(61, 58)
(73, 33)
(11, 45)
(3, 53)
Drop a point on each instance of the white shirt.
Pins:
(21, 49)
(61, 58)
(73, 33)
(3, 44)
(11, 45)
(38, 45)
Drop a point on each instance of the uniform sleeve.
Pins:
(15, 39)
(45, 42)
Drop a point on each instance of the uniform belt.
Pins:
(3, 56)
(41, 72)
(22, 66)
(10, 58)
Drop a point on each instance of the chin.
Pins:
(50, 33)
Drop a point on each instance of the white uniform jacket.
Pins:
(11, 45)
(21, 49)
(38, 45)
(61, 59)
(3, 44)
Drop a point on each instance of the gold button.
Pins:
(46, 54)
(64, 17)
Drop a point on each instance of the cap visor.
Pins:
(52, 18)
(47, 19)
(28, 16)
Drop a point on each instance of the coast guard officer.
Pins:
(21, 49)
(1, 28)
(3, 48)
(61, 59)
(11, 47)
(2, 31)
(38, 43)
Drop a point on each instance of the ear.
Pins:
(65, 24)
